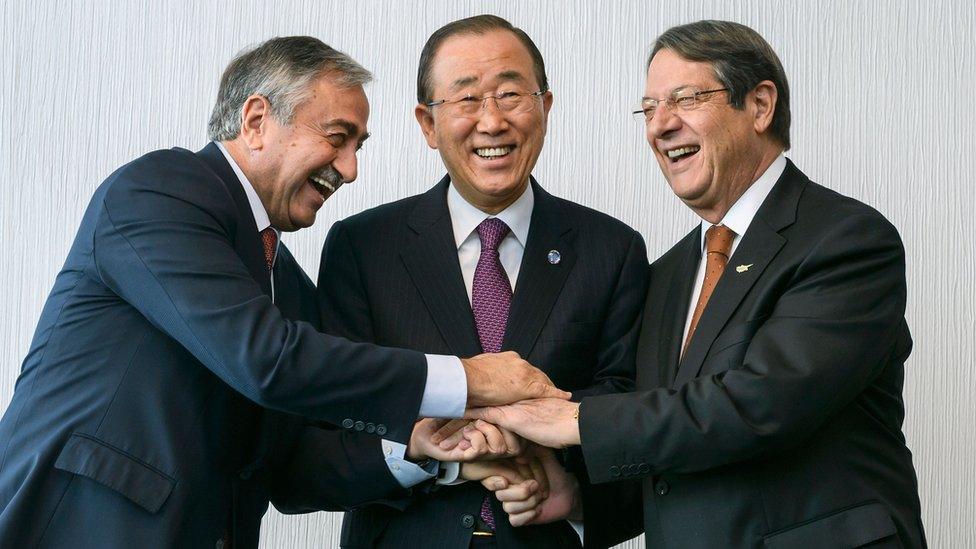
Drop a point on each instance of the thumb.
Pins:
(551, 391)
(487, 413)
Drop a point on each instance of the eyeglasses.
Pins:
(470, 106)
(685, 99)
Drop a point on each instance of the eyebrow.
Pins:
(505, 76)
(675, 89)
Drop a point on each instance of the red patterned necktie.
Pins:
(491, 296)
(270, 239)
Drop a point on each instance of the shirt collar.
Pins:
(740, 215)
(257, 208)
(465, 217)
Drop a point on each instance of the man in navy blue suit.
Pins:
(179, 325)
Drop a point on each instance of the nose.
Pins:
(491, 120)
(347, 164)
(665, 120)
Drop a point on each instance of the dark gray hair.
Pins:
(282, 70)
(740, 59)
(479, 24)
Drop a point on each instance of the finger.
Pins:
(518, 492)
(447, 428)
(451, 440)
(539, 474)
(513, 442)
(494, 437)
(539, 389)
(516, 507)
(525, 470)
(477, 440)
(521, 519)
(487, 413)
(495, 483)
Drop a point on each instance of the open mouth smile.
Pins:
(494, 152)
(680, 153)
(321, 185)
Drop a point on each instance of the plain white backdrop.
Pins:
(882, 96)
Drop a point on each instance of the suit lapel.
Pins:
(432, 261)
(675, 311)
(540, 281)
(247, 242)
(757, 249)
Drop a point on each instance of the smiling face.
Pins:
(712, 153)
(297, 166)
(490, 156)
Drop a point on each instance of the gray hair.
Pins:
(282, 70)
(740, 59)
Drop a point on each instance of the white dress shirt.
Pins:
(738, 218)
(446, 388)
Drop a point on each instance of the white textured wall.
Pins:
(883, 111)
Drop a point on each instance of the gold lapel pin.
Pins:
(743, 268)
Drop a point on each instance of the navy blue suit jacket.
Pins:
(135, 420)
(391, 276)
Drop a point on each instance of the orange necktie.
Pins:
(718, 245)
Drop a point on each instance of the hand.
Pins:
(422, 447)
(562, 499)
(547, 421)
(489, 440)
(503, 378)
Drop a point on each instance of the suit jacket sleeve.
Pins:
(333, 470)
(614, 370)
(168, 249)
(830, 334)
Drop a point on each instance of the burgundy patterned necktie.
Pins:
(491, 296)
(270, 240)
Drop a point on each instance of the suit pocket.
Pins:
(854, 527)
(736, 334)
(91, 458)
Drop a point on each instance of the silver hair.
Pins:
(282, 70)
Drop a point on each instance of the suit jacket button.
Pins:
(644, 468)
(381, 429)
(359, 426)
(370, 428)
(467, 521)
(662, 487)
(614, 471)
(347, 423)
(244, 475)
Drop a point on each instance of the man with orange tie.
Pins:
(770, 364)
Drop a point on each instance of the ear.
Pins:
(426, 120)
(546, 103)
(763, 98)
(255, 120)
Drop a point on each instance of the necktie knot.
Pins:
(492, 231)
(269, 237)
(718, 239)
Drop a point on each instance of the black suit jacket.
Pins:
(781, 424)
(134, 422)
(391, 276)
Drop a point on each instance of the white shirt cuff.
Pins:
(446, 391)
(407, 473)
(449, 473)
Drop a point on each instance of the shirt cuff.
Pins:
(407, 473)
(449, 473)
(446, 391)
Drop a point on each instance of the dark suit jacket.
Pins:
(134, 422)
(391, 276)
(781, 424)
